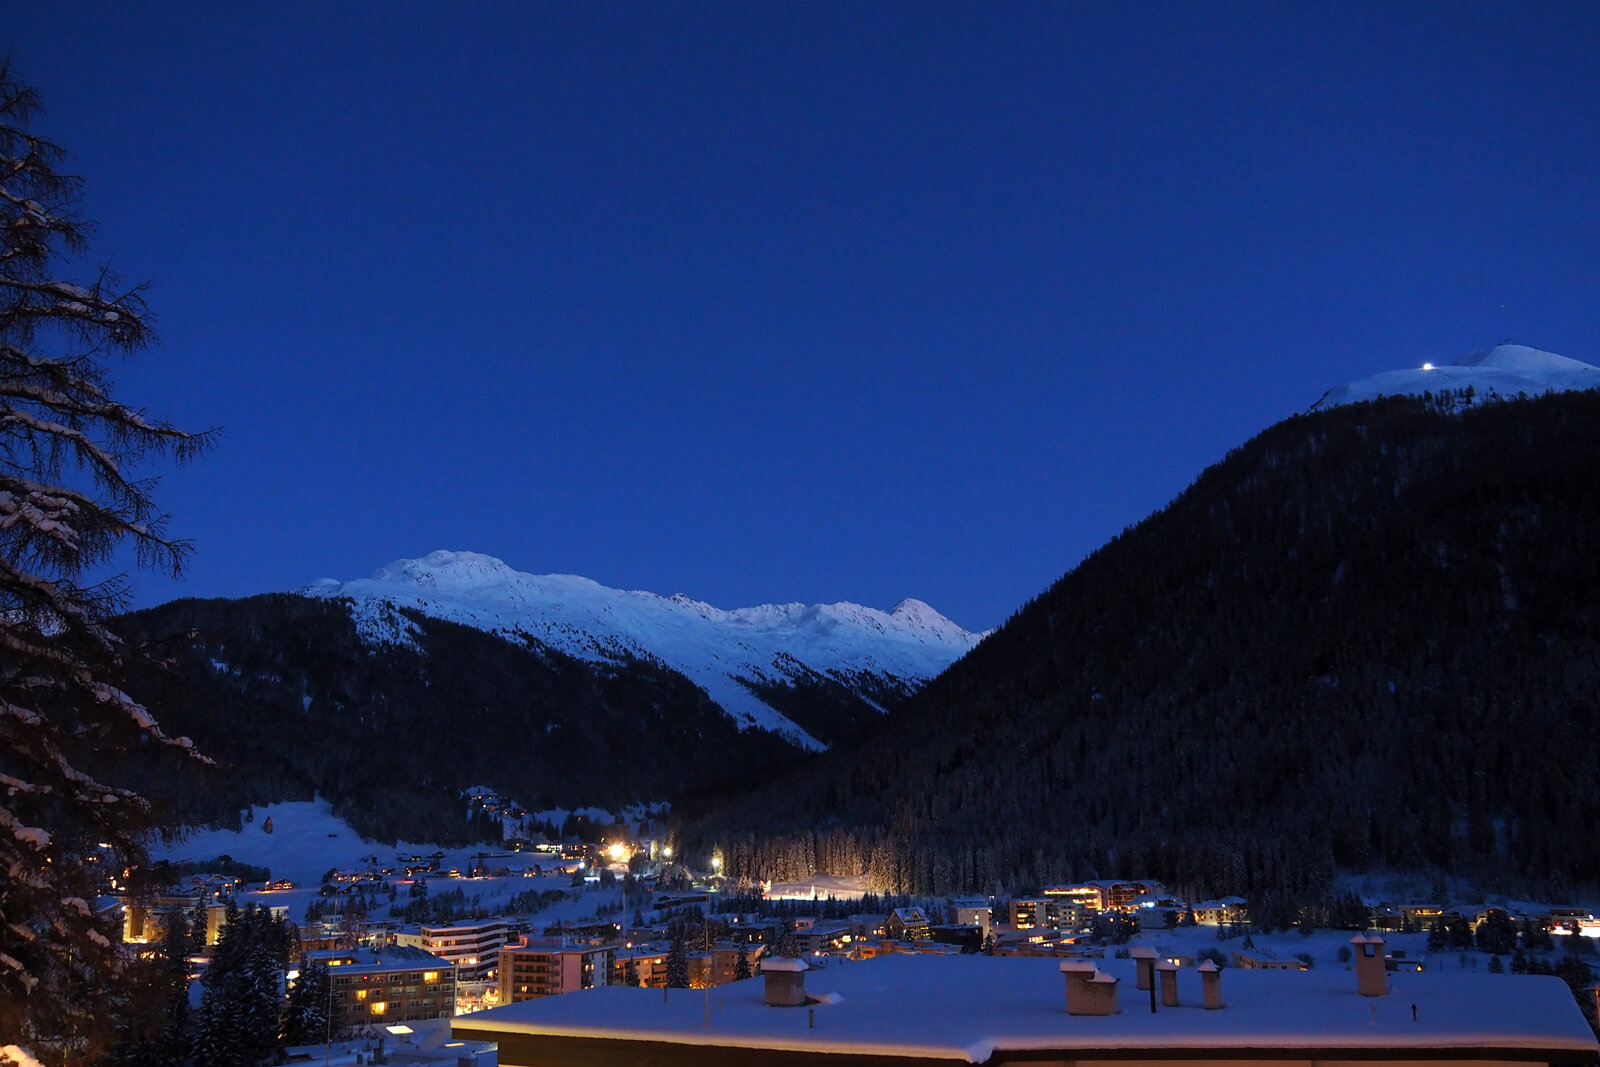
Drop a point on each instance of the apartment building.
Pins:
(472, 945)
(543, 967)
(387, 986)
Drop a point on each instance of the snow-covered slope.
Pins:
(1501, 373)
(712, 647)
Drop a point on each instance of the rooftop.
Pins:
(966, 1008)
(403, 956)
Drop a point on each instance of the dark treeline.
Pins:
(1367, 638)
(292, 703)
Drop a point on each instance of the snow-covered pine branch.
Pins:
(70, 501)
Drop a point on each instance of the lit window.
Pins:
(361, 994)
(430, 976)
(379, 1007)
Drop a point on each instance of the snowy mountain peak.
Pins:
(724, 652)
(447, 570)
(1503, 372)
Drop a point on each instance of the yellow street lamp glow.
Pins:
(617, 851)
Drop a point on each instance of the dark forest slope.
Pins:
(1368, 637)
(285, 694)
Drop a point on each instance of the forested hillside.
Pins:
(1368, 637)
(283, 692)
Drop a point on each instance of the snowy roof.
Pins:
(784, 965)
(965, 1008)
(403, 957)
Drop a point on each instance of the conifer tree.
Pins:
(70, 502)
(677, 961)
(306, 1016)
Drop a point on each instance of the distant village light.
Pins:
(1427, 366)
(618, 851)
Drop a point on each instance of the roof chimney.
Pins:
(786, 982)
(1210, 984)
(1101, 990)
(1168, 973)
(1144, 957)
(1088, 991)
(1371, 979)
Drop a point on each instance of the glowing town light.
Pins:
(667, 851)
(617, 851)
(1427, 366)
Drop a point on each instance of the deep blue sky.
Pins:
(808, 301)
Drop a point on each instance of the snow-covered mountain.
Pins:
(866, 650)
(1500, 373)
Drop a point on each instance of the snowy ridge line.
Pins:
(1503, 372)
(713, 648)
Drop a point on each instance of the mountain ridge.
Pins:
(728, 653)
(1505, 372)
(1366, 638)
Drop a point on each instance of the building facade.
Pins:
(544, 967)
(381, 987)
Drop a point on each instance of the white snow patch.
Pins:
(1503, 372)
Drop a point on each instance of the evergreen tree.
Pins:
(677, 962)
(153, 1027)
(788, 945)
(305, 1019)
(69, 500)
(741, 969)
(1497, 934)
(241, 1011)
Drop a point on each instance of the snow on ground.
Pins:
(820, 887)
(710, 646)
(307, 840)
(1502, 372)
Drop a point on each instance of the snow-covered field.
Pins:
(307, 839)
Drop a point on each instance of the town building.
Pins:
(145, 921)
(971, 911)
(1106, 895)
(640, 965)
(472, 945)
(385, 987)
(542, 967)
(1049, 912)
(907, 924)
(1220, 912)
